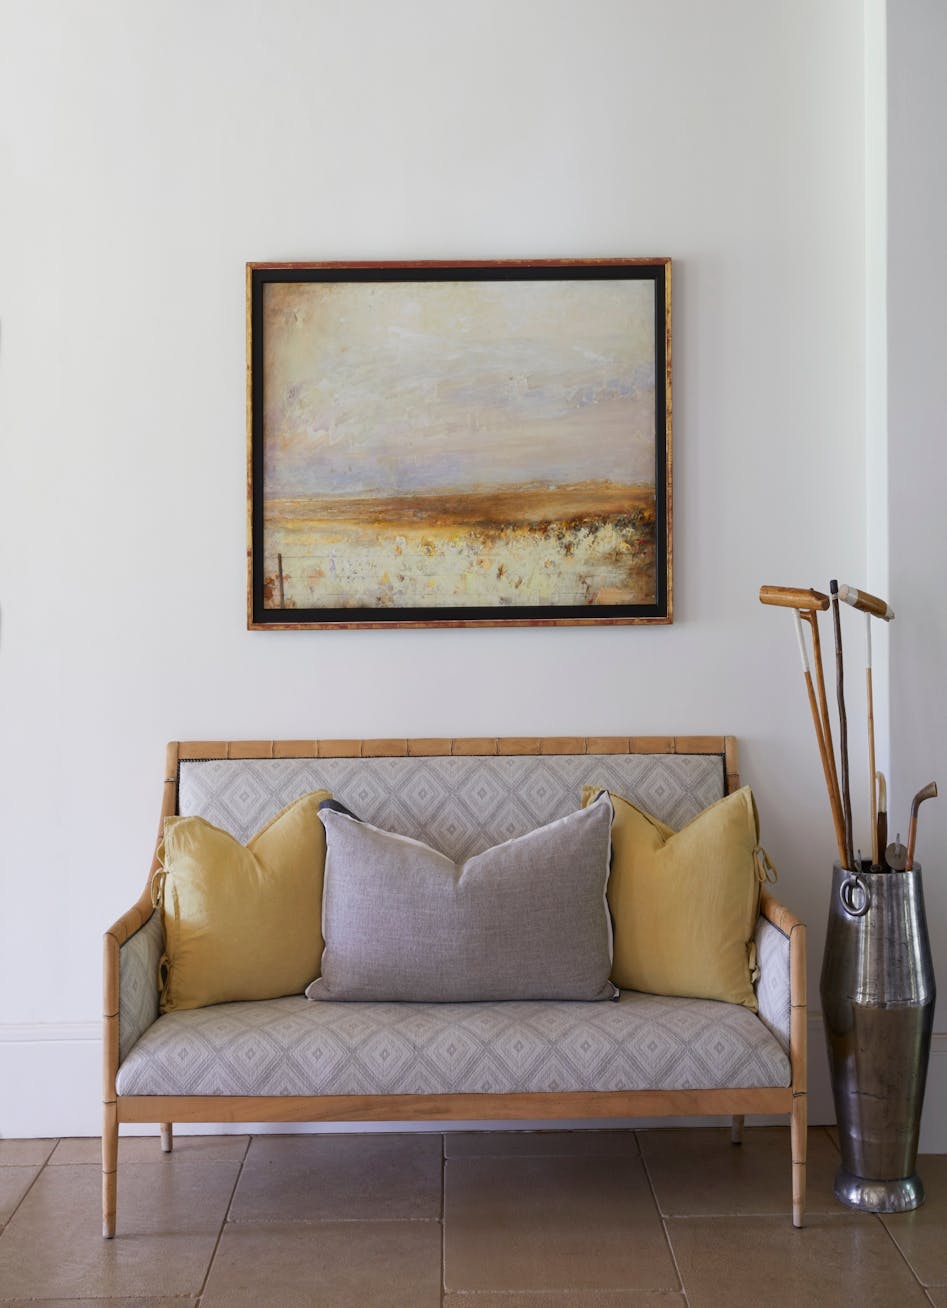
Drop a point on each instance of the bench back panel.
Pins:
(459, 805)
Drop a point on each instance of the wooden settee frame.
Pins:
(734, 1102)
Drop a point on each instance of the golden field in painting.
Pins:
(593, 543)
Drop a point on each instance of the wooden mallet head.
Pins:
(866, 603)
(794, 597)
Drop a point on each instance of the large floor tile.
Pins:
(937, 1295)
(552, 1223)
(922, 1235)
(25, 1153)
(570, 1299)
(14, 1183)
(147, 1149)
(835, 1262)
(699, 1173)
(127, 1301)
(500, 1144)
(327, 1265)
(340, 1177)
(168, 1221)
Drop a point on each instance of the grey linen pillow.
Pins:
(527, 919)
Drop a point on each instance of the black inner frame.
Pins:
(494, 615)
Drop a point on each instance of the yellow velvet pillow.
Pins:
(684, 904)
(241, 921)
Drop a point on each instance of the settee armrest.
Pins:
(133, 947)
(781, 988)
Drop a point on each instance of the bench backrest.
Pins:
(459, 796)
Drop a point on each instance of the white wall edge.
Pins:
(48, 1056)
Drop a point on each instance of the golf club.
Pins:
(872, 607)
(928, 792)
(806, 604)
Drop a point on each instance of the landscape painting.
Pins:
(463, 445)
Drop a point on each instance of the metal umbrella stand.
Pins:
(878, 996)
(877, 973)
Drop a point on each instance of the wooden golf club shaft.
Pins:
(843, 729)
(828, 762)
(929, 792)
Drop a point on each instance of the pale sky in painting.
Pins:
(394, 388)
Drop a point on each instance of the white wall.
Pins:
(146, 152)
(917, 464)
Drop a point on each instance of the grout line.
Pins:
(902, 1254)
(29, 1188)
(223, 1224)
(443, 1217)
(661, 1218)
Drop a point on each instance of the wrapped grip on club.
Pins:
(866, 603)
(793, 597)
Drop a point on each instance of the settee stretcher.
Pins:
(732, 1101)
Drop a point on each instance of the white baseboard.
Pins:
(57, 1069)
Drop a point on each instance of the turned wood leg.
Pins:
(167, 1137)
(736, 1129)
(109, 1168)
(798, 1140)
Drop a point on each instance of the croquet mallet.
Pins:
(807, 604)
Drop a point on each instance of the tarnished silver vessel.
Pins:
(878, 996)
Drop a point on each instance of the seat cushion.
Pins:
(293, 1047)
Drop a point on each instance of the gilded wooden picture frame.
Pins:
(463, 444)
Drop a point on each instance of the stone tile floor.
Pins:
(574, 1219)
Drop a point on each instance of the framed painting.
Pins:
(464, 444)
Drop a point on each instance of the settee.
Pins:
(288, 1059)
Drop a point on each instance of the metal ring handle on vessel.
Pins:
(846, 894)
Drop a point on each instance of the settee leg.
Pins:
(736, 1129)
(798, 1139)
(167, 1137)
(109, 1168)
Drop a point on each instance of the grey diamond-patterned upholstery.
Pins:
(772, 988)
(461, 806)
(138, 962)
(292, 1047)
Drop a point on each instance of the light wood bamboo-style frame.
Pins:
(736, 1101)
(260, 618)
